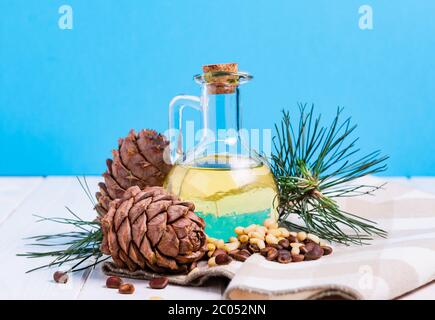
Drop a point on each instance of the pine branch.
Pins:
(313, 166)
(74, 245)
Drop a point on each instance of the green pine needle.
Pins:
(313, 165)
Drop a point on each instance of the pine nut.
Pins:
(261, 229)
(255, 235)
(126, 288)
(298, 258)
(271, 254)
(218, 252)
(284, 256)
(292, 239)
(250, 228)
(239, 230)
(212, 262)
(253, 248)
(314, 251)
(243, 238)
(274, 226)
(323, 243)
(268, 222)
(233, 239)
(223, 259)
(211, 247)
(60, 277)
(158, 283)
(261, 244)
(293, 234)
(284, 232)
(211, 240)
(220, 244)
(313, 238)
(327, 250)
(231, 246)
(254, 240)
(271, 239)
(284, 243)
(302, 236)
(296, 244)
(113, 282)
(240, 255)
(295, 251)
(275, 232)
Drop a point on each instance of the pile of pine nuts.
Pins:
(271, 241)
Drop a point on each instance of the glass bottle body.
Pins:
(228, 183)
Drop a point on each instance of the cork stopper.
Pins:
(218, 82)
(222, 67)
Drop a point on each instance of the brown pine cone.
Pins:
(152, 229)
(138, 161)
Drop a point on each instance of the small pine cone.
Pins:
(154, 230)
(138, 161)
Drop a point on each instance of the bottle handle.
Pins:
(176, 108)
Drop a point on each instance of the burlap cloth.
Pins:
(385, 269)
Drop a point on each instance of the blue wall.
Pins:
(67, 95)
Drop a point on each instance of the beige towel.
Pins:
(385, 269)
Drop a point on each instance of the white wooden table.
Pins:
(23, 197)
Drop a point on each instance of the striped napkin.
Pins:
(385, 269)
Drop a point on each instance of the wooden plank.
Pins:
(424, 183)
(13, 190)
(47, 200)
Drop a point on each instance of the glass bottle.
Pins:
(229, 184)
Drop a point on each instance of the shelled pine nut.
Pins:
(271, 239)
(313, 238)
(243, 238)
(284, 232)
(239, 230)
(212, 262)
(261, 244)
(220, 244)
(301, 236)
(295, 251)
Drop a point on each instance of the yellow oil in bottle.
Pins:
(227, 193)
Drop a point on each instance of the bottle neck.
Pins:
(221, 113)
(223, 143)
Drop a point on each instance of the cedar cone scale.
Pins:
(138, 161)
(152, 229)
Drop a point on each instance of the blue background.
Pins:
(67, 95)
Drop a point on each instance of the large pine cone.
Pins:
(152, 229)
(139, 161)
